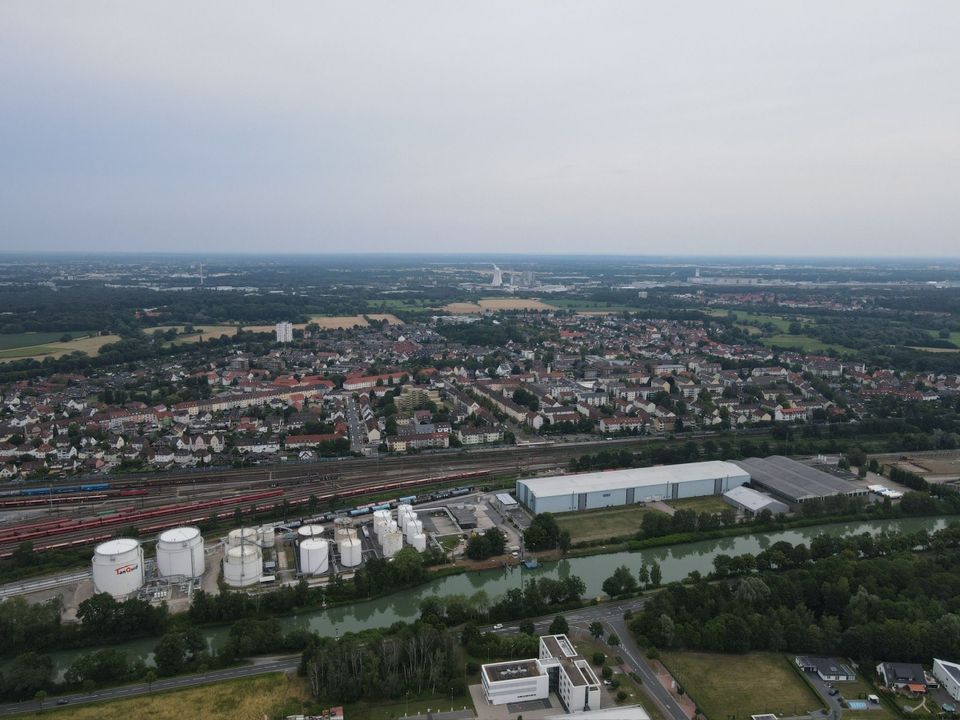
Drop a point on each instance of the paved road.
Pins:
(284, 664)
(633, 655)
(43, 583)
(357, 440)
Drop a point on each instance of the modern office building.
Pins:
(587, 491)
(558, 669)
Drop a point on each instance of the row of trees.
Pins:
(892, 597)
(537, 597)
(622, 581)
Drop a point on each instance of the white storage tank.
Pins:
(180, 552)
(414, 527)
(242, 565)
(381, 519)
(309, 531)
(419, 542)
(268, 536)
(392, 541)
(342, 529)
(314, 556)
(349, 551)
(118, 567)
(242, 536)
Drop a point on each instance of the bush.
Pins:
(472, 668)
(598, 658)
(607, 672)
(622, 695)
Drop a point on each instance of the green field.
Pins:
(708, 503)
(589, 305)
(378, 710)
(742, 685)
(602, 524)
(804, 342)
(250, 699)
(25, 352)
(29, 339)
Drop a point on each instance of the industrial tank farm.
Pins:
(118, 567)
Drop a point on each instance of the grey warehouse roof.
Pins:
(794, 480)
(632, 478)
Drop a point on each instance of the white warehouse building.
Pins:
(588, 491)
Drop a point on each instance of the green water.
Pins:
(676, 562)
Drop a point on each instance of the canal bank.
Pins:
(676, 561)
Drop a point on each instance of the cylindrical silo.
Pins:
(180, 552)
(419, 542)
(392, 541)
(414, 527)
(242, 565)
(342, 528)
(381, 518)
(349, 551)
(314, 556)
(118, 567)
(309, 531)
(403, 512)
(242, 536)
(268, 536)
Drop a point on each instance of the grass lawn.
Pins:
(741, 685)
(708, 503)
(247, 699)
(605, 523)
(387, 709)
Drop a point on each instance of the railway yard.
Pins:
(71, 514)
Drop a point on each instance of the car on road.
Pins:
(62, 701)
(833, 691)
(498, 626)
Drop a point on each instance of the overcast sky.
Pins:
(603, 127)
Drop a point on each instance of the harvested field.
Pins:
(88, 345)
(494, 304)
(333, 322)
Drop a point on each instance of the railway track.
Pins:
(296, 484)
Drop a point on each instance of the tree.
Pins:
(40, 696)
(150, 679)
(621, 582)
(170, 654)
(596, 629)
(656, 575)
(614, 639)
(559, 626)
(527, 627)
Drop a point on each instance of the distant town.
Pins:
(460, 487)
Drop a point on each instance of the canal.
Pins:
(676, 561)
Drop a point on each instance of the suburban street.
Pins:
(285, 664)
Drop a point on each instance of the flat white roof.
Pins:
(749, 498)
(506, 499)
(633, 477)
